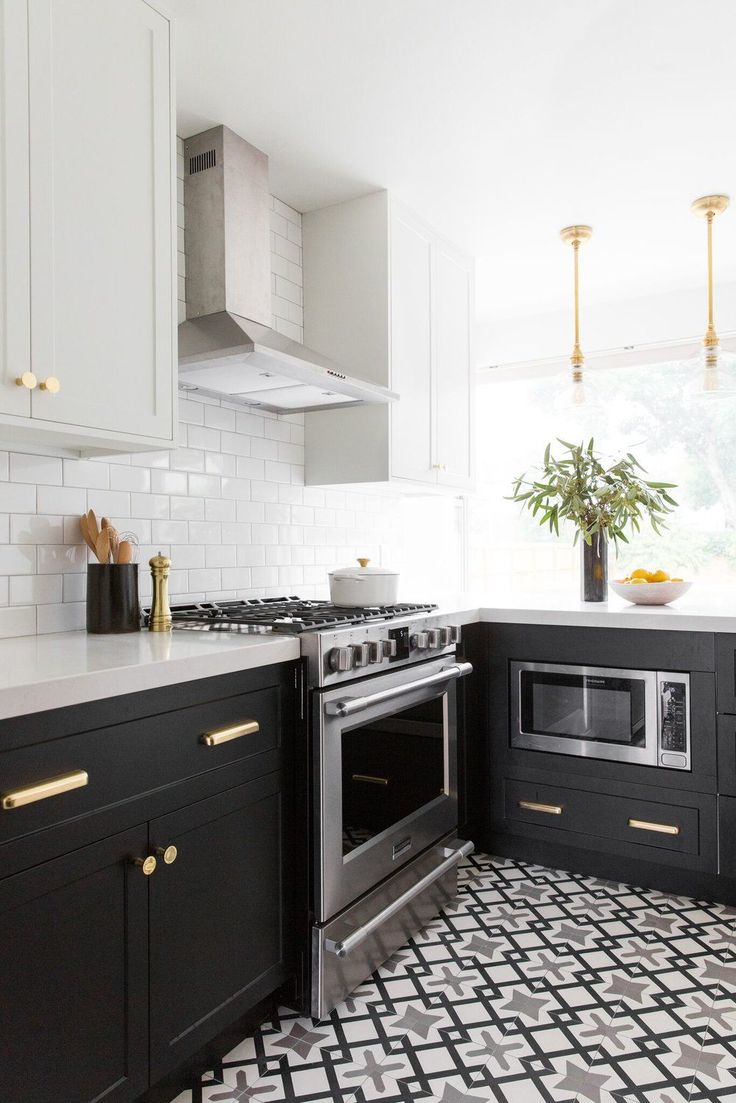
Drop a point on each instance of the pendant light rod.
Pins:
(575, 235)
(707, 207)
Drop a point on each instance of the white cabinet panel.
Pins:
(15, 303)
(411, 351)
(101, 170)
(453, 422)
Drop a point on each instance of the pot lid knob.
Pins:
(364, 562)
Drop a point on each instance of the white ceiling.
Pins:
(498, 121)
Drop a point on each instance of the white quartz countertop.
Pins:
(68, 668)
(38, 673)
(704, 611)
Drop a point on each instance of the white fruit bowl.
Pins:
(650, 593)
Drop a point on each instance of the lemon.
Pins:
(641, 574)
(659, 576)
(638, 581)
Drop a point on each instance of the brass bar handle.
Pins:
(370, 779)
(146, 865)
(42, 790)
(660, 828)
(235, 731)
(537, 806)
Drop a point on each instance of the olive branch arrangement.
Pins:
(578, 487)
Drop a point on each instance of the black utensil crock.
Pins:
(112, 598)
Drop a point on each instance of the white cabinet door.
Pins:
(15, 302)
(453, 450)
(411, 350)
(101, 172)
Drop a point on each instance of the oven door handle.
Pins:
(451, 857)
(348, 706)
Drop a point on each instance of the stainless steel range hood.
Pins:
(227, 347)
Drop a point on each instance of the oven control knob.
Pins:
(445, 637)
(455, 633)
(389, 648)
(435, 637)
(341, 658)
(420, 641)
(375, 651)
(361, 654)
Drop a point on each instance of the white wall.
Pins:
(229, 505)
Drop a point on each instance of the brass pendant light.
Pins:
(577, 393)
(714, 370)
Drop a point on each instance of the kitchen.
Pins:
(319, 781)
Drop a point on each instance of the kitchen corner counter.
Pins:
(38, 673)
(704, 611)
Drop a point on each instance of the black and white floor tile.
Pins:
(534, 986)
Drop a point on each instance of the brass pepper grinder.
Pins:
(160, 617)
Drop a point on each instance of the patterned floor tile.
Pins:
(534, 986)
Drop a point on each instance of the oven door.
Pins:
(591, 711)
(385, 776)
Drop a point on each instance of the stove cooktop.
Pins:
(290, 615)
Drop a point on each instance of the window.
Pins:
(644, 410)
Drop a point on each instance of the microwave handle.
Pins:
(451, 856)
(348, 706)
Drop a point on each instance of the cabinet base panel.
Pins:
(613, 867)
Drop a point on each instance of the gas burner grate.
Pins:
(288, 615)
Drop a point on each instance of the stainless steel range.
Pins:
(382, 705)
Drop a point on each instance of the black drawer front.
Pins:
(127, 760)
(727, 755)
(628, 820)
(727, 836)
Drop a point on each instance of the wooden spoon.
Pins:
(125, 552)
(114, 535)
(102, 546)
(94, 531)
(84, 529)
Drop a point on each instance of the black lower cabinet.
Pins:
(74, 1005)
(217, 944)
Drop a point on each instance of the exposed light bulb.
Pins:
(712, 374)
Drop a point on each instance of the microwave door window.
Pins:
(391, 768)
(594, 708)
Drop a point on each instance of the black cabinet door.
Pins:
(73, 954)
(217, 944)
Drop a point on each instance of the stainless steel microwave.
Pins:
(637, 716)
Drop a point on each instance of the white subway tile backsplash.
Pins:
(220, 509)
(149, 505)
(186, 509)
(94, 476)
(17, 559)
(127, 477)
(35, 589)
(218, 418)
(235, 488)
(18, 622)
(60, 618)
(187, 459)
(28, 528)
(205, 532)
(35, 469)
(60, 499)
(223, 556)
(170, 532)
(250, 555)
(61, 559)
(17, 498)
(204, 486)
(169, 482)
(199, 436)
(114, 504)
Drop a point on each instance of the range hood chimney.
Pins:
(227, 348)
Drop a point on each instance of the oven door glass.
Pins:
(590, 711)
(391, 768)
(385, 777)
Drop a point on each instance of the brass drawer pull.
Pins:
(169, 854)
(661, 828)
(371, 780)
(42, 790)
(537, 806)
(235, 731)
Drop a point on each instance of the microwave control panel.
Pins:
(674, 741)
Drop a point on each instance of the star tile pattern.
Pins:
(534, 986)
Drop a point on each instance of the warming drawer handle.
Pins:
(42, 790)
(538, 806)
(348, 706)
(451, 858)
(235, 731)
(660, 828)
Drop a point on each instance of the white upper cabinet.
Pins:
(392, 302)
(94, 148)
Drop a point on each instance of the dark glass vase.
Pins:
(594, 569)
(112, 598)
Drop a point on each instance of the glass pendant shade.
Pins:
(577, 395)
(712, 375)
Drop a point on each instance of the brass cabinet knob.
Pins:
(27, 379)
(52, 385)
(147, 865)
(435, 466)
(168, 853)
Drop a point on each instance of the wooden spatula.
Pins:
(92, 525)
(125, 552)
(84, 529)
